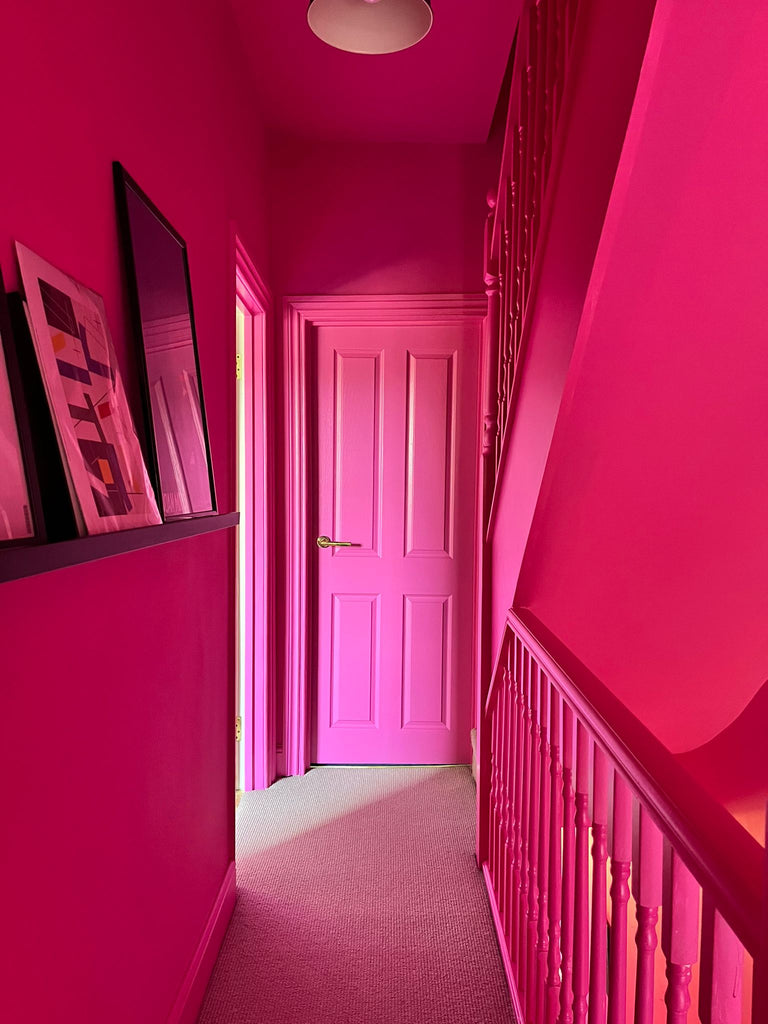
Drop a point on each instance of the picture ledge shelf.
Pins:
(31, 560)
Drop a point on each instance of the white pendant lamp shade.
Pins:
(370, 26)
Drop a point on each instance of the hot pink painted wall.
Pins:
(649, 551)
(116, 703)
(608, 47)
(378, 218)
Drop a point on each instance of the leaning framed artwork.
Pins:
(20, 513)
(161, 296)
(108, 481)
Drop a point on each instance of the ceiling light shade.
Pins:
(370, 26)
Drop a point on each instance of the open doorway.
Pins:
(255, 697)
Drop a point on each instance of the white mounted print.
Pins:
(109, 484)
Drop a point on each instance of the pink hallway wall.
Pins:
(608, 47)
(116, 703)
(378, 218)
(368, 218)
(649, 550)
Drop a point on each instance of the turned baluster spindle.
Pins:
(621, 859)
(519, 801)
(571, 10)
(533, 844)
(493, 798)
(679, 935)
(559, 14)
(519, 144)
(494, 815)
(552, 76)
(511, 809)
(508, 776)
(539, 112)
(727, 975)
(581, 882)
(522, 931)
(569, 865)
(545, 781)
(510, 307)
(516, 234)
(647, 890)
(525, 256)
(503, 742)
(504, 340)
(555, 868)
(500, 383)
(597, 971)
(721, 973)
(491, 279)
(509, 350)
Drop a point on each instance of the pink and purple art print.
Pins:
(108, 480)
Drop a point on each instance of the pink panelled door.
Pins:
(396, 443)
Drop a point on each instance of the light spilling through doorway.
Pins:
(255, 698)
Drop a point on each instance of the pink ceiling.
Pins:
(444, 89)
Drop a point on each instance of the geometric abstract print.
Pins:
(108, 480)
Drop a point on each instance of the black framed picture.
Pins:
(157, 268)
(21, 520)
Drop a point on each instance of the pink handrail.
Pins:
(574, 763)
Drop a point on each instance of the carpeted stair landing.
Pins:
(359, 901)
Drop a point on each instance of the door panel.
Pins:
(396, 451)
(430, 454)
(357, 439)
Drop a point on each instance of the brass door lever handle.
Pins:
(326, 542)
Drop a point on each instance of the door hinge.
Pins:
(238, 728)
(239, 366)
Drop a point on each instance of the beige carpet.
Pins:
(359, 900)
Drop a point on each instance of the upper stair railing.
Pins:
(542, 51)
(564, 760)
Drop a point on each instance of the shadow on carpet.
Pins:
(359, 900)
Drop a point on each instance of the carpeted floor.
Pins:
(359, 901)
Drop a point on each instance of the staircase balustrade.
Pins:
(542, 51)
(595, 837)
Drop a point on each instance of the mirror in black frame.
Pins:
(161, 298)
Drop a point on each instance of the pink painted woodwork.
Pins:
(567, 932)
(540, 63)
(598, 945)
(647, 891)
(679, 934)
(581, 883)
(621, 859)
(370, 700)
(721, 973)
(576, 770)
(542, 939)
(555, 853)
(534, 831)
(256, 541)
(396, 435)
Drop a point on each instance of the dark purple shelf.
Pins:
(33, 559)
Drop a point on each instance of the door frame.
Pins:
(259, 674)
(301, 316)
